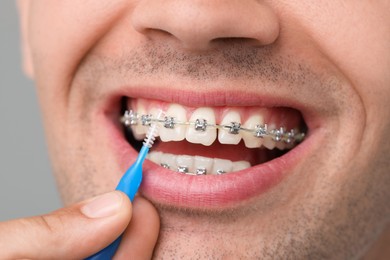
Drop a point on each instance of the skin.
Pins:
(335, 59)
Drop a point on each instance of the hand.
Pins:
(80, 230)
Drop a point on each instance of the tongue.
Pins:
(216, 150)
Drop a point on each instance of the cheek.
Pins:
(355, 36)
(62, 33)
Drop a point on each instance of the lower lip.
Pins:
(174, 189)
(216, 191)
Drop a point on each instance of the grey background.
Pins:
(26, 184)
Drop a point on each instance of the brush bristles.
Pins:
(152, 131)
(151, 136)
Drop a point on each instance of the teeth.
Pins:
(229, 135)
(185, 162)
(279, 135)
(201, 132)
(139, 130)
(202, 127)
(196, 165)
(203, 163)
(169, 160)
(250, 140)
(241, 165)
(155, 157)
(222, 166)
(154, 112)
(177, 133)
(268, 142)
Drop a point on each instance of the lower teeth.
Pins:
(196, 165)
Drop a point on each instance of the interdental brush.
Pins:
(129, 184)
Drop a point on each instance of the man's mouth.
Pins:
(212, 157)
(213, 140)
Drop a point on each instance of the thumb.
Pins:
(74, 232)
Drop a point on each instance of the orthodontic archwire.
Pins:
(131, 118)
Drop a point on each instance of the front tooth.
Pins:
(250, 140)
(139, 130)
(203, 163)
(155, 157)
(185, 162)
(224, 135)
(178, 132)
(157, 113)
(206, 137)
(169, 160)
(221, 166)
(268, 142)
(240, 165)
(281, 145)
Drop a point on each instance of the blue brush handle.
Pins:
(128, 184)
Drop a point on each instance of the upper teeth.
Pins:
(201, 126)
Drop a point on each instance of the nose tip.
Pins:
(197, 24)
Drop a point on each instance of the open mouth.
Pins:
(212, 140)
(212, 157)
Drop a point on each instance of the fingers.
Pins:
(75, 232)
(140, 237)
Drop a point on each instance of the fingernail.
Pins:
(103, 205)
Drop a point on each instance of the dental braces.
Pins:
(185, 170)
(131, 118)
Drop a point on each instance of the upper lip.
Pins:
(162, 186)
(215, 97)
